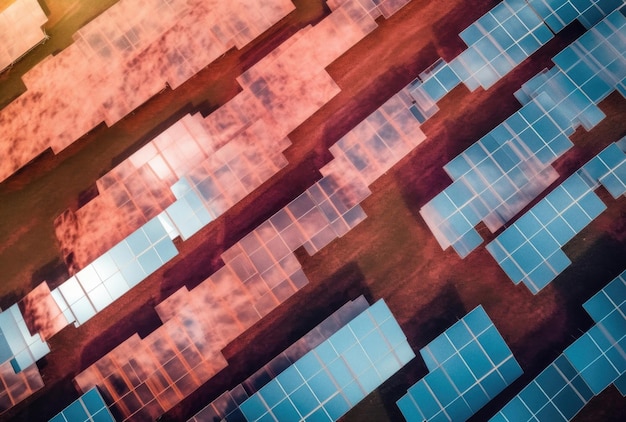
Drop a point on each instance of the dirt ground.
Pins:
(391, 255)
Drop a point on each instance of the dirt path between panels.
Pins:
(391, 255)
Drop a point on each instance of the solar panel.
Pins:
(20, 30)
(556, 394)
(498, 175)
(143, 378)
(530, 249)
(585, 368)
(325, 382)
(434, 82)
(226, 406)
(469, 364)
(115, 272)
(608, 168)
(378, 142)
(598, 354)
(587, 71)
(22, 348)
(559, 13)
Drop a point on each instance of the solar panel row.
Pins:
(332, 378)
(89, 407)
(557, 394)
(469, 364)
(115, 272)
(502, 172)
(585, 368)
(498, 175)
(529, 250)
(143, 378)
(226, 406)
(20, 347)
(378, 142)
(499, 41)
(261, 270)
(587, 71)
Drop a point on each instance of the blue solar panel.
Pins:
(529, 250)
(585, 368)
(606, 300)
(609, 169)
(330, 379)
(5, 350)
(559, 13)
(499, 41)
(587, 71)
(469, 364)
(497, 176)
(88, 407)
(557, 394)
(20, 347)
(598, 354)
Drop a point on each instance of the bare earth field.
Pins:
(391, 255)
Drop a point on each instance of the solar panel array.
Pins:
(89, 407)
(261, 271)
(529, 251)
(469, 365)
(557, 394)
(585, 368)
(495, 178)
(587, 72)
(332, 378)
(498, 41)
(269, 272)
(498, 175)
(226, 406)
(559, 13)
(223, 156)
